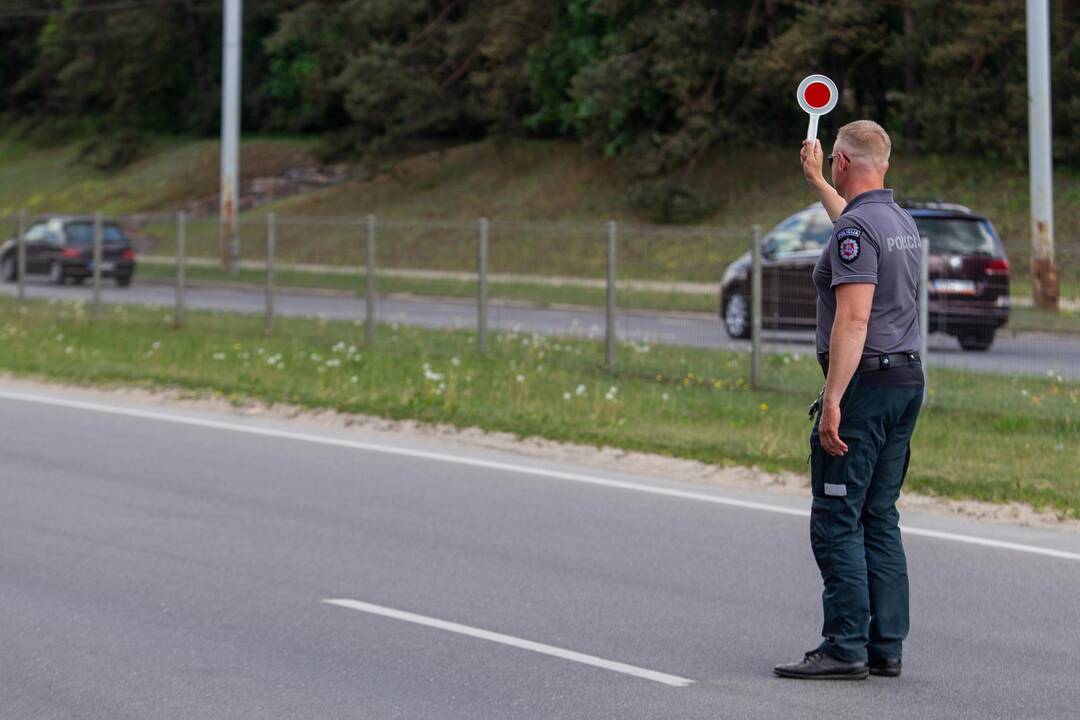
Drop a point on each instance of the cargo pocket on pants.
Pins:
(835, 477)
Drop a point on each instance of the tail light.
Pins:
(71, 253)
(129, 254)
(999, 266)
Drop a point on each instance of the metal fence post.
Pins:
(609, 314)
(755, 308)
(20, 256)
(481, 288)
(271, 239)
(181, 261)
(369, 283)
(924, 315)
(95, 311)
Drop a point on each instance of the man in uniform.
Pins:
(867, 341)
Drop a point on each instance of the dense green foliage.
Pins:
(656, 82)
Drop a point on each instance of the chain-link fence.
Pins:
(637, 299)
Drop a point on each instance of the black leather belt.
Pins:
(877, 362)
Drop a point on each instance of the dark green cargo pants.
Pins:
(853, 522)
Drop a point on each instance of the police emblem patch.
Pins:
(848, 245)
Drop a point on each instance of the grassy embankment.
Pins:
(991, 438)
(520, 180)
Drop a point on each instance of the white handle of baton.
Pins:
(811, 131)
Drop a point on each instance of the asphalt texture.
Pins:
(159, 570)
(1012, 353)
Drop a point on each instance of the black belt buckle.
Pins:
(885, 361)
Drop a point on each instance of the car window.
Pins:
(35, 233)
(786, 237)
(82, 233)
(959, 236)
(817, 233)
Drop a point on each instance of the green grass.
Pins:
(172, 173)
(534, 180)
(982, 436)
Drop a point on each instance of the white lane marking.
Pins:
(508, 467)
(672, 680)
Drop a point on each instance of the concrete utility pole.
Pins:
(230, 134)
(1044, 277)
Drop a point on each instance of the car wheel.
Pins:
(123, 280)
(8, 270)
(56, 273)
(737, 316)
(977, 340)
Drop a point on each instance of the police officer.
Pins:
(867, 340)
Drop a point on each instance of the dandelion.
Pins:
(155, 345)
(316, 357)
(431, 375)
(455, 361)
(218, 356)
(333, 363)
(69, 350)
(520, 378)
(665, 397)
(764, 407)
(579, 390)
(566, 396)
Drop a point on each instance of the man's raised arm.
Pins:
(811, 157)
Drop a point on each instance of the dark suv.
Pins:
(969, 274)
(62, 247)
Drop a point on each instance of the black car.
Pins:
(61, 247)
(969, 274)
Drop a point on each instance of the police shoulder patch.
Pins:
(848, 244)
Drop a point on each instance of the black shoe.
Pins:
(818, 665)
(885, 667)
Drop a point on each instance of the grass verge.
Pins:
(983, 437)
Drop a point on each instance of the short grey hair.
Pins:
(865, 142)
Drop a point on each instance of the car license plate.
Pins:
(953, 287)
(106, 266)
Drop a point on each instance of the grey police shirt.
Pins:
(874, 241)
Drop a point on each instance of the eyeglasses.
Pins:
(832, 157)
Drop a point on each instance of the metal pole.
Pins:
(609, 314)
(481, 288)
(755, 307)
(1043, 273)
(369, 284)
(181, 261)
(95, 312)
(20, 256)
(271, 239)
(924, 315)
(230, 134)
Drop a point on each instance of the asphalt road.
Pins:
(167, 563)
(1019, 353)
